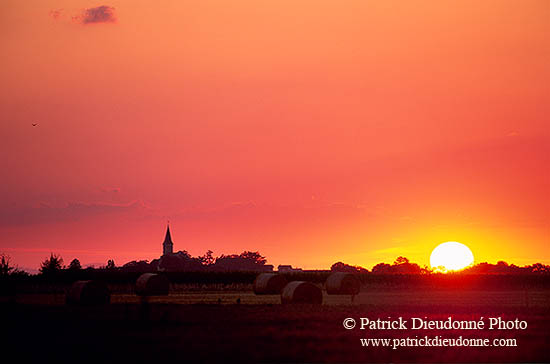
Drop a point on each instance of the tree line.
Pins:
(402, 265)
(254, 262)
(180, 261)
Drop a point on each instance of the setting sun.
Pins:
(451, 256)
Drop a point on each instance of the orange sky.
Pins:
(312, 131)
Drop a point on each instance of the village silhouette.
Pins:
(195, 303)
(250, 261)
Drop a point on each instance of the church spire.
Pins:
(168, 245)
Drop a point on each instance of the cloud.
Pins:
(391, 250)
(56, 14)
(99, 14)
(73, 211)
(110, 189)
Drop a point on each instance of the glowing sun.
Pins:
(451, 256)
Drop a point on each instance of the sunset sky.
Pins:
(312, 131)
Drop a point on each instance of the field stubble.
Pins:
(191, 326)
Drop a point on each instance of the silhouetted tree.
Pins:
(75, 264)
(401, 260)
(110, 264)
(504, 268)
(539, 268)
(426, 270)
(53, 264)
(343, 267)
(381, 268)
(207, 259)
(5, 266)
(255, 257)
(481, 268)
(180, 261)
(401, 265)
(246, 261)
(137, 266)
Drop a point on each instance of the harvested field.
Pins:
(191, 326)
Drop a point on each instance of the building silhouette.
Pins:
(168, 245)
(283, 268)
(182, 261)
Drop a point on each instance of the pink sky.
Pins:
(314, 132)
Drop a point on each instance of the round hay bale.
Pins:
(152, 284)
(301, 292)
(343, 283)
(269, 283)
(88, 293)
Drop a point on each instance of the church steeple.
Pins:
(167, 246)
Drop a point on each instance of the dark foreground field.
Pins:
(176, 330)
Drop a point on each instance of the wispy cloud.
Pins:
(110, 189)
(99, 14)
(391, 250)
(91, 252)
(56, 13)
(73, 211)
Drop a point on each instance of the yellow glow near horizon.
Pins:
(451, 256)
